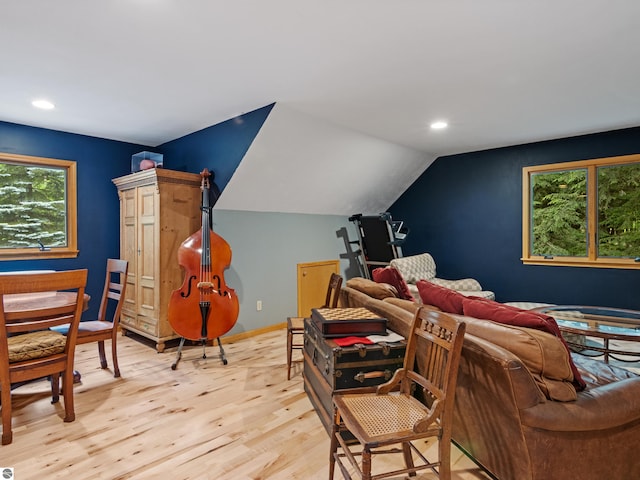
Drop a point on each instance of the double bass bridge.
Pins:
(212, 287)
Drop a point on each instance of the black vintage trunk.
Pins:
(329, 367)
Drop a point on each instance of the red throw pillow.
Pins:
(393, 277)
(445, 299)
(508, 315)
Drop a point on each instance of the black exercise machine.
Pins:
(379, 238)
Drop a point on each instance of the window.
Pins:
(584, 213)
(37, 208)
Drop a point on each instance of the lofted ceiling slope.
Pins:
(300, 164)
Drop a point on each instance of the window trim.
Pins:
(71, 249)
(592, 260)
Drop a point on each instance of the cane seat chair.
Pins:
(28, 348)
(106, 326)
(409, 407)
(295, 325)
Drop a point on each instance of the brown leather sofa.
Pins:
(505, 419)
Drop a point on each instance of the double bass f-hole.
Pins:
(191, 279)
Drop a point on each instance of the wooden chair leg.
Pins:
(103, 358)
(289, 352)
(7, 434)
(55, 387)
(444, 451)
(408, 458)
(366, 463)
(332, 452)
(67, 392)
(114, 355)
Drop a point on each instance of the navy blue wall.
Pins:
(466, 210)
(98, 161)
(220, 148)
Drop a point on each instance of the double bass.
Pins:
(204, 307)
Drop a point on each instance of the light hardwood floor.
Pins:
(202, 421)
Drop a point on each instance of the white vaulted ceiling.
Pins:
(500, 72)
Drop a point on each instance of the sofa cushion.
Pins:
(597, 373)
(376, 290)
(392, 277)
(542, 353)
(462, 284)
(498, 312)
(445, 299)
(415, 267)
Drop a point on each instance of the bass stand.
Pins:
(203, 341)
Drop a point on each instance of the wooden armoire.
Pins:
(159, 209)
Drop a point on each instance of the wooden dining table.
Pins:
(25, 306)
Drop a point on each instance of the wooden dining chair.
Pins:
(295, 325)
(106, 326)
(409, 407)
(28, 348)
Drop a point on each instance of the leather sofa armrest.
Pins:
(600, 408)
(503, 375)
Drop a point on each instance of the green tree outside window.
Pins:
(37, 207)
(32, 206)
(584, 213)
(619, 211)
(560, 213)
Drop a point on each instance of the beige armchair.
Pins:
(423, 267)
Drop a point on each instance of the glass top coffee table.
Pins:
(603, 323)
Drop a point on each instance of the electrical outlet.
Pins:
(259, 305)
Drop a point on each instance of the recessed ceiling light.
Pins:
(43, 104)
(439, 125)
